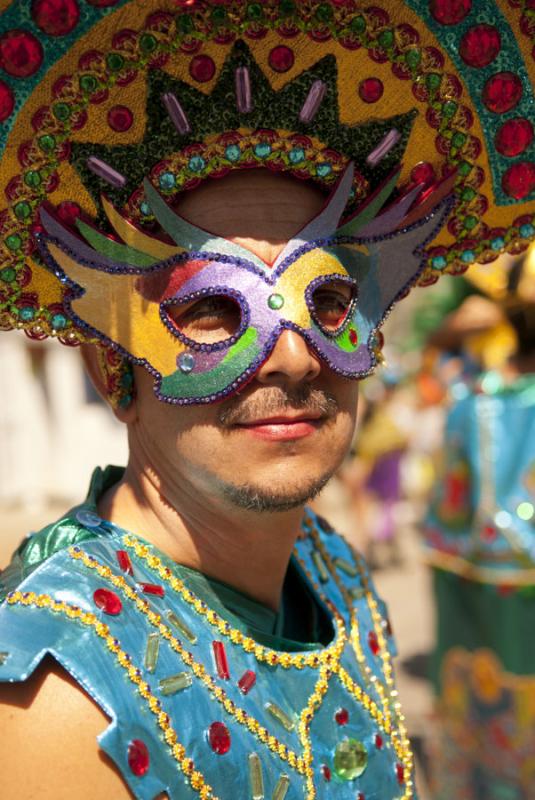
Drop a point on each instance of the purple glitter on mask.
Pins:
(107, 173)
(244, 100)
(176, 113)
(313, 101)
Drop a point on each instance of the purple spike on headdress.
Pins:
(176, 113)
(313, 101)
(244, 99)
(107, 173)
(384, 147)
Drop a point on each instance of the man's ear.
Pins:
(92, 359)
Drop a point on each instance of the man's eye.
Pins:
(331, 303)
(208, 320)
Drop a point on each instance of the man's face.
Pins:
(274, 445)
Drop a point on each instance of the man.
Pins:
(233, 641)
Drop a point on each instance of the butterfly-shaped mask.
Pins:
(333, 283)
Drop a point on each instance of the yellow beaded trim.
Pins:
(239, 714)
(91, 620)
(387, 693)
(329, 655)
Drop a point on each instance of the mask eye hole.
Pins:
(212, 319)
(331, 303)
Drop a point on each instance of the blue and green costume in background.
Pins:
(480, 539)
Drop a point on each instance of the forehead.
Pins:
(256, 205)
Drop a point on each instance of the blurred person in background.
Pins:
(480, 540)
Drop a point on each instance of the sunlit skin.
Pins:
(177, 490)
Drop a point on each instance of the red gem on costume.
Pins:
(502, 92)
(220, 657)
(247, 681)
(373, 642)
(7, 101)
(55, 17)
(124, 562)
(120, 118)
(353, 337)
(424, 172)
(326, 772)
(68, 212)
(360, 796)
(342, 716)
(480, 45)
(202, 68)
(371, 90)
(108, 601)
(514, 136)
(219, 738)
(21, 53)
(138, 757)
(450, 12)
(281, 58)
(400, 773)
(378, 741)
(519, 180)
(152, 588)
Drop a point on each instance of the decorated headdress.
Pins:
(415, 116)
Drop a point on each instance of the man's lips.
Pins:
(283, 428)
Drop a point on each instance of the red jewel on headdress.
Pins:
(7, 101)
(424, 172)
(21, 53)
(108, 601)
(514, 137)
(138, 757)
(450, 12)
(55, 17)
(202, 68)
(502, 92)
(371, 90)
(480, 45)
(281, 58)
(519, 180)
(219, 738)
(68, 212)
(120, 118)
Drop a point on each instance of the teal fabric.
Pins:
(50, 567)
(299, 612)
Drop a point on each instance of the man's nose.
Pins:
(291, 362)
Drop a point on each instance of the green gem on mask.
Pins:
(275, 301)
(186, 362)
(350, 759)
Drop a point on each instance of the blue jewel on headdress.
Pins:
(167, 180)
(262, 150)
(322, 170)
(233, 152)
(196, 164)
(296, 155)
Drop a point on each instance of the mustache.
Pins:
(276, 401)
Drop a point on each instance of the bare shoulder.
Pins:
(48, 746)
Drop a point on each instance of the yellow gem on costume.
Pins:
(281, 716)
(256, 777)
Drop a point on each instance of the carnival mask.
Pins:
(203, 314)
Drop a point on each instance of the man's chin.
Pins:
(251, 497)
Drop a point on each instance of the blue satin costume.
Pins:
(306, 711)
